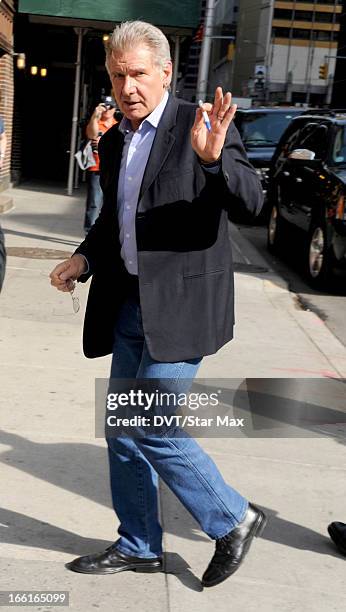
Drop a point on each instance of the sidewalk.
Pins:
(54, 472)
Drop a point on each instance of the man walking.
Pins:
(161, 295)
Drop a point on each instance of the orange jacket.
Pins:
(94, 144)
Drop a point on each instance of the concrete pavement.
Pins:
(54, 472)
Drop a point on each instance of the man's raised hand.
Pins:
(208, 144)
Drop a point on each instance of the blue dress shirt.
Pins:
(135, 155)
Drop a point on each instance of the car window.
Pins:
(339, 147)
(289, 139)
(260, 128)
(314, 137)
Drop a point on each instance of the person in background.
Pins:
(100, 121)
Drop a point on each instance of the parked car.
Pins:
(307, 192)
(261, 129)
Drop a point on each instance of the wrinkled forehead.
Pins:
(137, 57)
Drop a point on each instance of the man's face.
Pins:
(138, 83)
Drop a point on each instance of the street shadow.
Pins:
(179, 522)
(53, 187)
(79, 468)
(177, 566)
(293, 535)
(275, 408)
(46, 238)
(19, 529)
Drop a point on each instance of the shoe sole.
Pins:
(334, 536)
(256, 532)
(135, 568)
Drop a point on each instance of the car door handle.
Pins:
(299, 180)
(285, 173)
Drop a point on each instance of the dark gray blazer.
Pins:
(185, 265)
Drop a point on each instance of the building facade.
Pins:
(6, 84)
(286, 50)
(65, 75)
(338, 96)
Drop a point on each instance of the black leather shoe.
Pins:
(337, 532)
(232, 548)
(111, 561)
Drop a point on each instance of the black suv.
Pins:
(307, 192)
(261, 129)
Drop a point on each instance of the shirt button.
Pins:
(127, 235)
(130, 262)
(129, 178)
(128, 207)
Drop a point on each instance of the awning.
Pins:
(169, 13)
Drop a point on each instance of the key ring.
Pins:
(75, 301)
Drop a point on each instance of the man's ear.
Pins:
(167, 71)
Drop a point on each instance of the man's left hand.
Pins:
(208, 145)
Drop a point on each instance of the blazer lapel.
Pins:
(112, 162)
(162, 145)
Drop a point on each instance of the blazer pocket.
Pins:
(175, 173)
(201, 274)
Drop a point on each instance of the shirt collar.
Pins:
(153, 118)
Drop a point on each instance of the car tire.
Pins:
(319, 257)
(276, 231)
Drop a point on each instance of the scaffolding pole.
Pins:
(79, 32)
(175, 64)
(204, 59)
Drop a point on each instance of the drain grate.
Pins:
(251, 268)
(37, 253)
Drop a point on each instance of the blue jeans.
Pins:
(136, 463)
(94, 200)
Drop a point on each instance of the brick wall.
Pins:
(6, 83)
(6, 112)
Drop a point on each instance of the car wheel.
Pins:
(319, 257)
(275, 235)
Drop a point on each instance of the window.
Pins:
(339, 148)
(263, 128)
(322, 35)
(289, 141)
(281, 32)
(283, 14)
(303, 15)
(314, 136)
(305, 34)
(326, 17)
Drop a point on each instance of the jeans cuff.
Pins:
(131, 553)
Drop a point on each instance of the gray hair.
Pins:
(130, 34)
